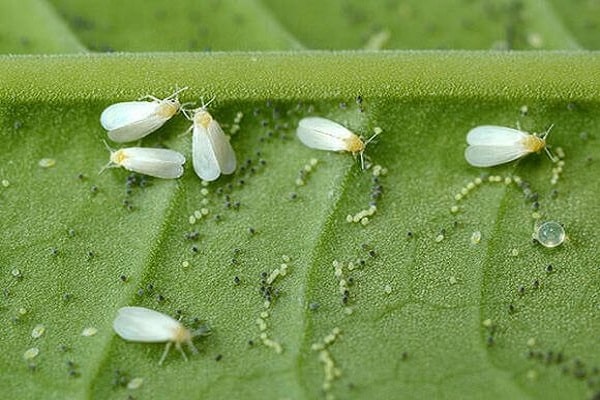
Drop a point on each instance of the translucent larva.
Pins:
(132, 120)
(139, 324)
(324, 134)
(160, 163)
(491, 145)
(212, 154)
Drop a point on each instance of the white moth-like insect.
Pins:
(325, 134)
(139, 324)
(160, 163)
(132, 120)
(212, 154)
(491, 145)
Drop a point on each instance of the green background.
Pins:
(424, 318)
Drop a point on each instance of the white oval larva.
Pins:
(139, 324)
(160, 163)
(324, 134)
(132, 120)
(212, 154)
(491, 145)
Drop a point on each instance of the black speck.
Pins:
(194, 235)
(530, 354)
(218, 357)
(236, 280)
(123, 278)
(580, 373)
(160, 298)
(73, 373)
(549, 268)
(63, 348)
(536, 284)
(94, 189)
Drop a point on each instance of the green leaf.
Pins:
(38, 30)
(424, 318)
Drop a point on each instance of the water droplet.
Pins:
(550, 234)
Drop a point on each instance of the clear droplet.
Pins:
(550, 234)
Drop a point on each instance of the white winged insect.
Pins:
(491, 145)
(325, 134)
(212, 154)
(160, 163)
(139, 324)
(132, 120)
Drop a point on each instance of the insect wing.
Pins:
(488, 156)
(204, 158)
(119, 115)
(490, 135)
(221, 147)
(141, 324)
(129, 121)
(160, 163)
(323, 134)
